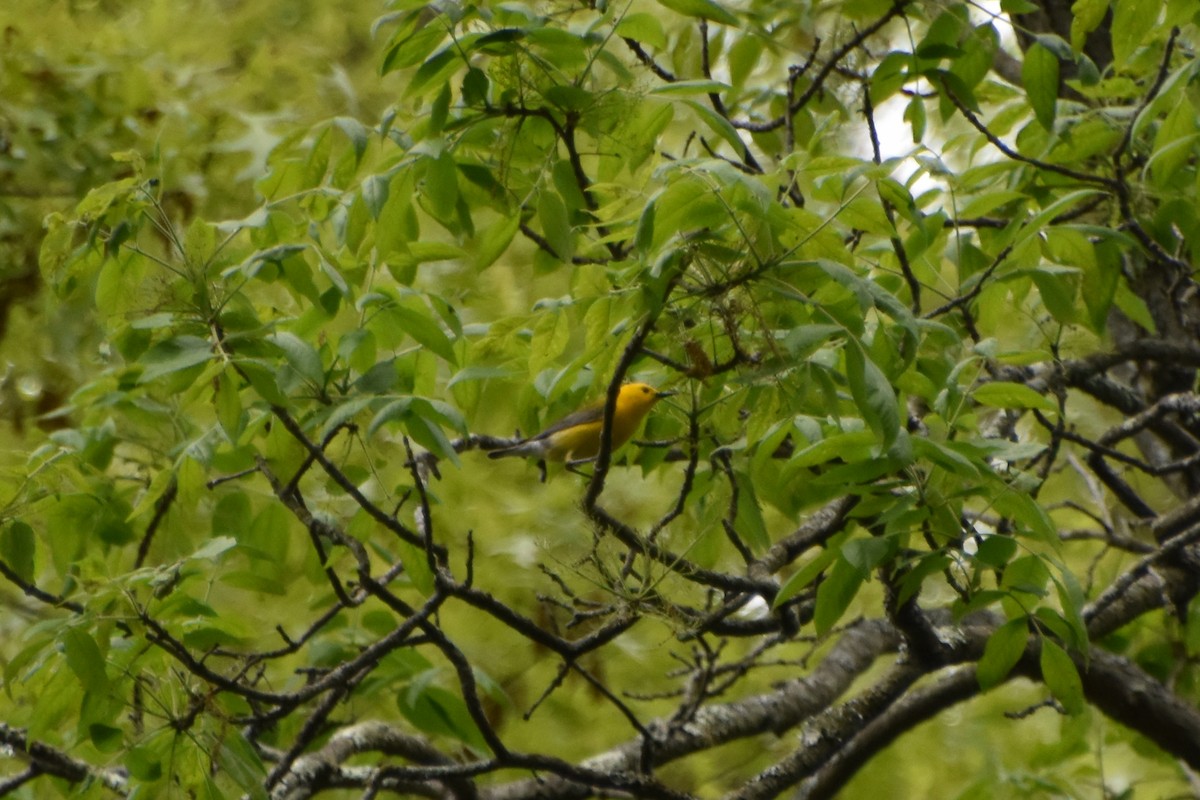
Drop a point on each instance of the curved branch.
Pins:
(46, 760)
(714, 725)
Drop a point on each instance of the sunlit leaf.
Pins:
(704, 9)
(1006, 394)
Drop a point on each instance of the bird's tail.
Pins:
(519, 449)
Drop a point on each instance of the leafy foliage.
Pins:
(258, 537)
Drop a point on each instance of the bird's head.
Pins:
(638, 398)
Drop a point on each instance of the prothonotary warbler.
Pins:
(576, 437)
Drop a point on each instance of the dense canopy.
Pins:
(920, 519)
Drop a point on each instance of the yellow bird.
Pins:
(576, 437)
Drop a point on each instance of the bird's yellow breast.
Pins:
(581, 440)
(576, 437)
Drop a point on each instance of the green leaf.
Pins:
(1099, 289)
(859, 472)
(301, 356)
(436, 710)
(436, 69)
(647, 29)
(149, 498)
(1028, 514)
(979, 53)
(254, 264)
(438, 111)
(569, 97)
(872, 393)
(996, 550)
(85, 659)
(251, 580)
(562, 46)
(750, 521)
(429, 434)
(1036, 224)
(493, 240)
(425, 330)
(910, 584)
(231, 514)
(1191, 631)
(744, 56)
(356, 132)
(478, 373)
(1003, 650)
(643, 238)
(703, 9)
(17, 547)
(869, 292)
(1132, 23)
(719, 125)
(900, 198)
(261, 375)
(174, 355)
(946, 457)
(412, 49)
(1086, 16)
(426, 252)
(867, 554)
(1134, 307)
(228, 403)
(1061, 676)
(143, 763)
(375, 193)
(806, 574)
(1058, 290)
(344, 412)
(1174, 143)
(106, 738)
(853, 445)
(199, 243)
(494, 41)
(240, 761)
(556, 225)
(215, 547)
(1027, 575)
(1057, 45)
(986, 203)
(397, 409)
(835, 594)
(1072, 600)
(1040, 76)
(99, 199)
(475, 87)
(914, 115)
(440, 186)
(1005, 394)
(691, 87)
(866, 214)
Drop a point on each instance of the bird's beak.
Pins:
(661, 395)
